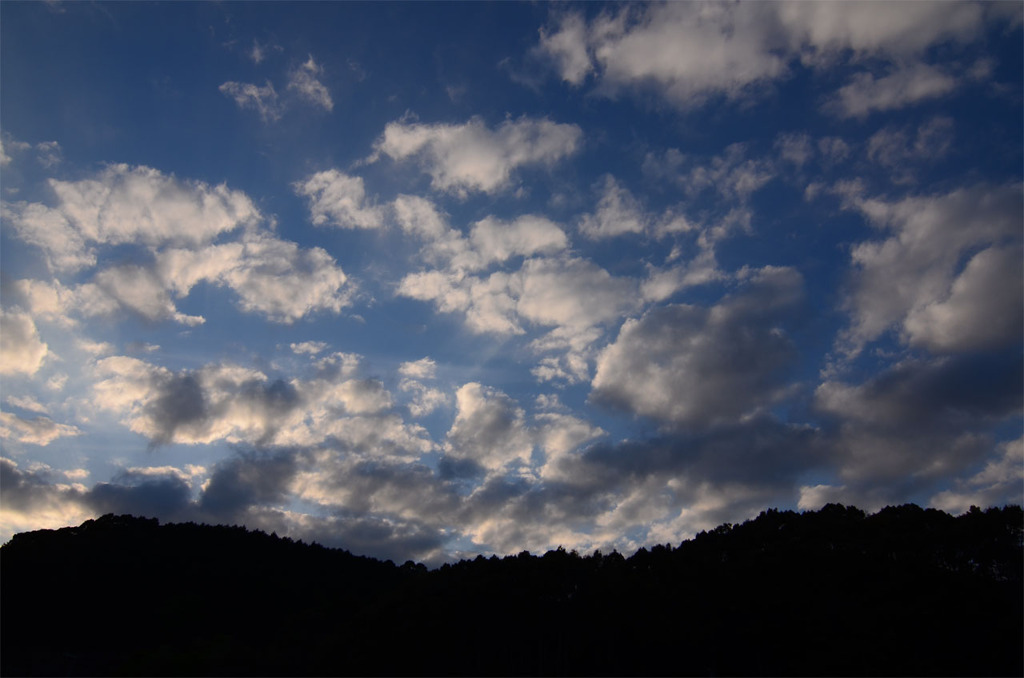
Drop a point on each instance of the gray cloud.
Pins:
(695, 366)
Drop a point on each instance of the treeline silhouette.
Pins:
(905, 591)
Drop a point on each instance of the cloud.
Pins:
(999, 483)
(917, 424)
(425, 399)
(166, 497)
(235, 404)
(496, 240)
(489, 429)
(247, 480)
(339, 200)
(470, 157)
(273, 277)
(690, 52)
(308, 347)
(902, 87)
(895, 149)
(21, 349)
(693, 366)
(618, 213)
(31, 501)
(39, 430)
(263, 100)
(567, 47)
(912, 279)
(127, 204)
(305, 81)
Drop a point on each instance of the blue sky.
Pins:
(432, 280)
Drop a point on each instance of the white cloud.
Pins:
(489, 429)
(689, 52)
(567, 47)
(36, 431)
(424, 398)
(27, 403)
(142, 205)
(21, 349)
(424, 368)
(497, 240)
(471, 157)
(48, 229)
(339, 200)
(911, 280)
(273, 277)
(263, 100)
(902, 87)
(618, 212)
(573, 293)
(308, 347)
(305, 81)
(419, 216)
(227, 402)
(984, 308)
(697, 366)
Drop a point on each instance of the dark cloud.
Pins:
(25, 490)
(759, 452)
(165, 497)
(248, 479)
(180, 402)
(961, 392)
(692, 366)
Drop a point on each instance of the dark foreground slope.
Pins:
(834, 592)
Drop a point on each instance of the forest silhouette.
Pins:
(905, 591)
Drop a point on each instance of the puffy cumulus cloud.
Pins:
(224, 402)
(420, 217)
(127, 204)
(560, 435)
(424, 368)
(496, 240)
(913, 281)
(137, 289)
(340, 200)
(572, 293)
(424, 398)
(263, 100)
(305, 80)
(39, 430)
(33, 501)
(471, 157)
(487, 303)
(689, 52)
(308, 347)
(64, 247)
(694, 366)
(273, 277)
(245, 480)
(998, 483)
(22, 351)
(489, 430)
(567, 48)
(902, 87)
(618, 213)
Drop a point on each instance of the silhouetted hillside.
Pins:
(903, 592)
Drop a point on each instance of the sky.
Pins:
(432, 280)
